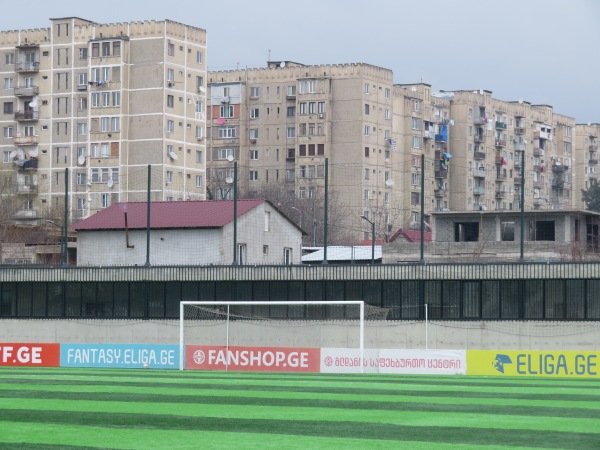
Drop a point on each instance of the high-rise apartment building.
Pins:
(104, 101)
(587, 140)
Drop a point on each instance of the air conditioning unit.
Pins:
(170, 83)
(200, 138)
(321, 116)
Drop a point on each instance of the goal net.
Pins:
(266, 336)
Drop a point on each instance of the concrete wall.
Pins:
(479, 335)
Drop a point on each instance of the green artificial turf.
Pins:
(102, 408)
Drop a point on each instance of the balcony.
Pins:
(519, 146)
(428, 134)
(25, 116)
(519, 131)
(479, 173)
(479, 155)
(478, 191)
(559, 168)
(594, 160)
(290, 97)
(537, 167)
(26, 91)
(26, 164)
(500, 160)
(500, 143)
(479, 137)
(517, 181)
(538, 184)
(500, 125)
(441, 173)
(518, 163)
(439, 192)
(539, 201)
(500, 194)
(441, 138)
(25, 188)
(557, 183)
(500, 177)
(26, 140)
(537, 151)
(593, 148)
(542, 134)
(478, 120)
(517, 196)
(27, 66)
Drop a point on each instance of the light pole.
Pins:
(522, 256)
(235, 198)
(372, 238)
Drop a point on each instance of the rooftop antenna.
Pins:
(269, 60)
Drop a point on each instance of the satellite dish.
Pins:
(33, 104)
(81, 160)
(173, 156)
(282, 64)
(89, 183)
(228, 180)
(389, 183)
(13, 154)
(230, 158)
(202, 89)
(35, 182)
(414, 89)
(110, 183)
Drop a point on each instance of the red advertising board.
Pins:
(253, 359)
(20, 354)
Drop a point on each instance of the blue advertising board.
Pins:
(124, 356)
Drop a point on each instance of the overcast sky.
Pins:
(541, 51)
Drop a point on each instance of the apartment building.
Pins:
(587, 140)
(489, 139)
(102, 101)
(280, 124)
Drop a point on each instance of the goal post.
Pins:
(231, 324)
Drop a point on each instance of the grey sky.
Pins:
(541, 51)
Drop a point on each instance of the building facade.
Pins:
(102, 101)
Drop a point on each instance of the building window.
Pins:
(241, 253)
(366, 88)
(416, 142)
(366, 108)
(254, 113)
(287, 256)
(302, 108)
(386, 114)
(169, 176)
(170, 101)
(254, 175)
(116, 98)
(81, 204)
(321, 107)
(8, 107)
(105, 124)
(81, 179)
(82, 129)
(199, 156)
(312, 107)
(115, 123)
(414, 198)
(225, 153)
(171, 49)
(227, 132)
(170, 126)
(253, 133)
(105, 200)
(199, 132)
(95, 49)
(291, 132)
(9, 58)
(254, 155)
(416, 123)
(198, 181)
(226, 111)
(367, 171)
(116, 48)
(8, 83)
(291, 91)
(199, 57)
(415, 178)
(8, 132)
(254, 92)
(387, 92)
(106, 49)
(367, 127)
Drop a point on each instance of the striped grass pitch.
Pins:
(142, 409)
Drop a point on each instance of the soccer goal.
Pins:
(268, 335)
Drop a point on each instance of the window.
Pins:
(170, 101)
(171, 49)
(321, 107)
(254, 175)
(291, 91)
(227, 132)
(106, 99)
(199, 132)
(199, 158)
(415, 178)
(416, 142)
(254, 92)
(8, 83)
(254, 113)
(117, 48)
(366, 108)
(116, 98)
(291, 132)
(82, 129)
(170, 75)
(6, 156)
(254, 155)
(302, 108)
(106, 49)
(9, 58)
(291, 111)
(198, 181)
(199, 107)
(81, 179)
(414, 198)
(169, 176)
(416, 105)
(8, 132)
(387, 92)
(81, 204)
(106, 74)
(366, 88)
(225, 153)
(199, 57)
(367, 171)
(94, 150)
(104, 150)
(253, 133)
(170, 126)
(287, 256)
(105, 199)
(416, 123)
(95, 99)
(115, 174)
(8, 107)
(312, 86)
(226, 111)
(386, 114)
(105, 124)
(199, 83)
(312, 107)
(367, 127)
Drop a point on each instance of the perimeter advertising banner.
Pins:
(25, 354)
(515, 363)
(252, 359)
(130, 356)
(438, 362)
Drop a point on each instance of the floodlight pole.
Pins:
(235, 200)
(372, 238)
(522, 258)
(65, 228)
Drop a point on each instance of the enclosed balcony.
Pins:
(479, 137)
(538, 151)
(27, 115)
(479, 173)
(478, 120)
(500, 194)
(441, 173)
(500, 160)
(27, 66)
(26, 188)
(500, 125)
(593, 160)
(478, 191)
(538, 167)
(557, 183)
(593, 148)
(539, 201)
(500, 143)
(500, 177)
(538, 184)
(479, 155)
(519, 131)
(519, 146)
(26, 91)
(439, 192)
(543, 133)
(559, 167)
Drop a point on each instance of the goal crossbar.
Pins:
(183, 304)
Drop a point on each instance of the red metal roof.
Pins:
(192, 214)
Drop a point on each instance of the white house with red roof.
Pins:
(188, 233)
